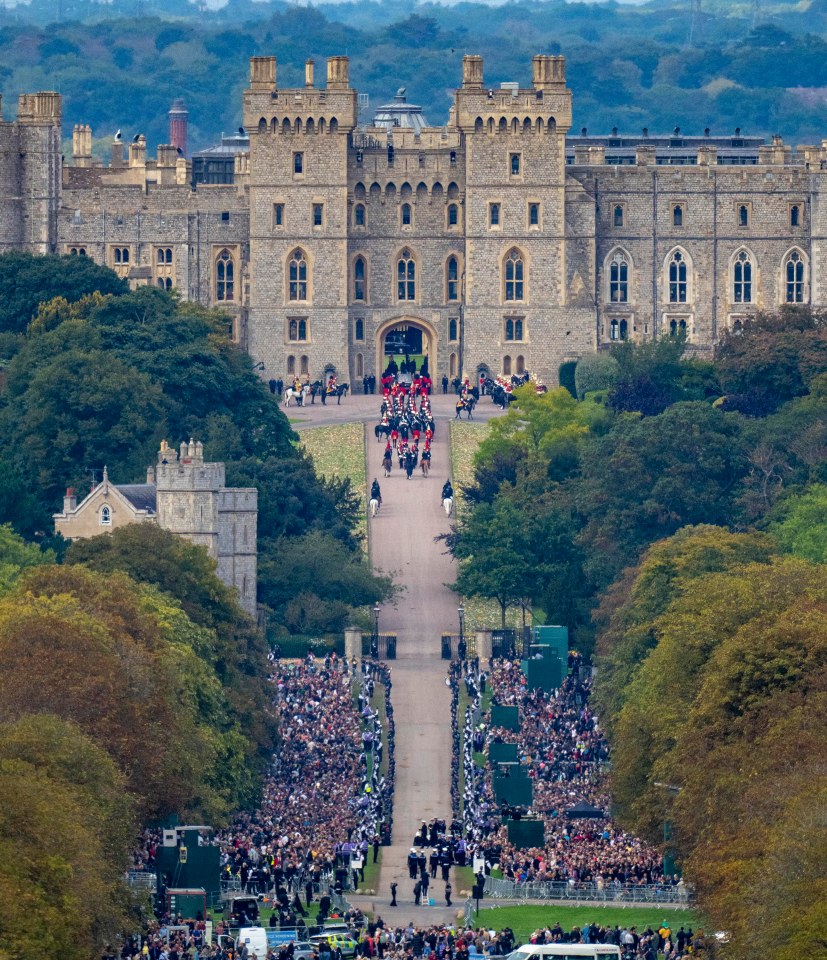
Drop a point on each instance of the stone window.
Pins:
(297, 273)
(452, 366)
(677, 327)
(224, 277)
(105, 517)
(304, 365)
(162, 268)
(678, 278)
(493, 214)
(619, 278)
(515, 161)
(534, 215)
(520, 364)
(677, 215)
(119, 260)
(77, 251)
(278, 215)
(406, 276)
(617, 215)
(619, 329)
(452, 280)
(225, 216)
(513, 329)
(794, 277)
(742, 213)
(742, 278)
(297, 329)
(360, 365)
(291, 366)
(318, 214)
(406, 214)
(359, 329)
(360, 273)
(359, 215)
(795, 215)
(453, 215)
(506, 366)
(514, 276)
(453, 329)
(298, 164)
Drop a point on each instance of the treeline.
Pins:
(675, 518)
(96, 375)
(658, 65)
(132, 685)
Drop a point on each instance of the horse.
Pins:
(374, 506)
(387, 464)
(382, 431)
(426, 466)
(299, 397)
(448, 506)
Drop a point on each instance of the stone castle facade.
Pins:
(498, 240)
(187, 496)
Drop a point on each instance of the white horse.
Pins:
(374, 506)
(448, 506)
(299, 396)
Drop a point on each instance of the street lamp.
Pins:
(374, 641)
(461, 646)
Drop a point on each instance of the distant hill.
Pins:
(658, 65)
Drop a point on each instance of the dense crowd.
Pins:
(406, 421)
(378, 939)
(561, 744)
(325, 801)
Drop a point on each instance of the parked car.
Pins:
(343, 941)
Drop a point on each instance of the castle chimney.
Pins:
(150, 474)
(308, 72)
(182, 454)
(70, 501)
(178, 117)
(263, 73)
(137, 152)
(472, 72)
(117, 154)
(338, 69)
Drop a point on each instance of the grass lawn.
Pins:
(525, 920)
(371, 872)
(339, 451)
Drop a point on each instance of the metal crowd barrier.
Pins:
(598, 893)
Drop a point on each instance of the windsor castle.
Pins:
(502, 240)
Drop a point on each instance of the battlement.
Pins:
(187, 470)
(42, 107)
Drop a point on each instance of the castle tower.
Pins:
(298, 218)
(519, 291)
(178, 119)
(31, 174)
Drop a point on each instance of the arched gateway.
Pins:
(407, 337)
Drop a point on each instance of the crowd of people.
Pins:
(376, 938)
(325, 801)
(564, 749)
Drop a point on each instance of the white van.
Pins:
(566, 951)
(255, 939)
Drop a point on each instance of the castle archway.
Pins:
(406, 338)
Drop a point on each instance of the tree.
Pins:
(649, 375)
(16, 556)
(670, 568)
(772, 359)
(595, 372)
(28, 280)
(799, 523)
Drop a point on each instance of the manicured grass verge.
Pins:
(339, 451)
(525, 920)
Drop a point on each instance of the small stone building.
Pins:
(187, 496)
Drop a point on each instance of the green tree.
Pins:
(799, 523)
(595, 372)
(27, 281)
(16, 556)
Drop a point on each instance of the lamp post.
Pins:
(374, 640)
(461, 645)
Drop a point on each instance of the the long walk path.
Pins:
(402, 544)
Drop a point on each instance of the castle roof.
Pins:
(142, 496)
(400, 113)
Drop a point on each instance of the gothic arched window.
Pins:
(452, 279)
(678, 286)
(406, 276)
(794, 275)
(224, 276)
(619, 279)
(297, 271)
(360, 279)
(514, 276)
(742, 278)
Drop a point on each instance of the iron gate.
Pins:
(379, 646)
(451, 649)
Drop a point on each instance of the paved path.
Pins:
(402, 544)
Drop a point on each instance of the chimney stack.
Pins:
(178, 117)
(309, 68)
(472, 72)
(338, 69)
(70, 501)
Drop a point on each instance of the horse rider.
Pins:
(375, 492)
(447, 491)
